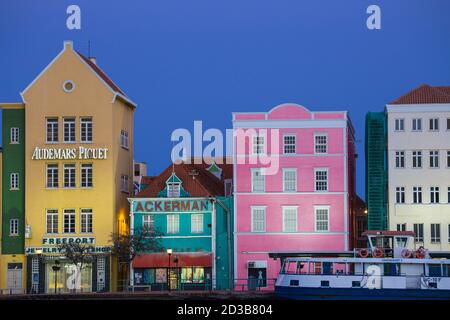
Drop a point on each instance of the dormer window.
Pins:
(173, 190)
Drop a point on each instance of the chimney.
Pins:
(93, 60)
(68, 44)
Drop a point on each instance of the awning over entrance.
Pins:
(161, 260)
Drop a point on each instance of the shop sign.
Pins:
(80, 153)
(68, 240)
(59, 250)
(193, 205)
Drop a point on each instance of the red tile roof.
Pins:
(196, 180)
(425, 94)
(101, 74)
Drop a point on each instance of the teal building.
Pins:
(192, 207)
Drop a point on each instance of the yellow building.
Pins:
(74, 131)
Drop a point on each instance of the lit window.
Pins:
(197, 223)
(258, 180)
(14, 181)
(124, 139)
(52, 221)
(322, 219)
(173, 223)
(69, 221)
(14, 138)
(290, 219)
(86, 221)
(320, 143)
(321, 180)
(289, 144)
(69, 130)
(52, 130)
(86, 175)
(86, 129)
(289, 180)
(258, 219)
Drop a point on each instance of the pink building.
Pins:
(294, 173)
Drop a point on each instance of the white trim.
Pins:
(318, 134)
(324, 207)
(261, 170)
(252, 208)
(64, 86)
(426, 107)
(283, 213)
(328, 179)
(284, 180)
(346, 197)
(290, 233)
(284, 144)
(290, 124)
(235, 213)
(312, 193)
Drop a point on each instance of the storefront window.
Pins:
(161, 275)
(199, 275)
(144, 276)
(186, 275)
(66, 280)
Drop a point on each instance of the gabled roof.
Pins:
(196, 180)
(425, 94)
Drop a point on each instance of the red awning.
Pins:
(161, 260)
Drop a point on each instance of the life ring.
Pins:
(420, 254)
(363, 253)
(406, 253)
(378, 253)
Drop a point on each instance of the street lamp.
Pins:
(56, 267)
(169, 252)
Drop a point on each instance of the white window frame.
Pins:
(320, 144)
(256, 145)
(124, 139)
(52, 168)
(51, 124)
(264, 222)
(436, 238)
(316, 170)
(86, 129)
(435, 122)
(197, 223)
(416, 122)
(85, 169)
(417, 194)
(86, 220)
(448, 158)
(69, 128)
(72, 169)
(285, 211)
(417, 157)
(435, 195)
(173, 223)
(285, 171)
(262, 174)
(14, 227)
(148, 222)
(290, 144)
(316, 220)
(399, 125)
(419, 237)
(173, 189)
(434, 158)
(400, 161)
(124, 183)
(14, 135)
(14, 181)
(400, 195)
(71, 213)
(52, 217)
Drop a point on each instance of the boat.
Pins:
(391, 268)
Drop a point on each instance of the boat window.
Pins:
(294, 283)
(356, 284)
(401, 242)
(317, 267)
(434, 270)
(324, 283)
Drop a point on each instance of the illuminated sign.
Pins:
(192, 205)
(80, 153)
(68, 240)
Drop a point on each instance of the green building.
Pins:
(376, 171)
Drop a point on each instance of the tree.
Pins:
(79, 255)
(125, 247)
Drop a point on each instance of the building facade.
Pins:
(418, 148)
(68, 151)
(294, 173)
(192, 206)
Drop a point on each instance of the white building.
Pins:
(418, 139)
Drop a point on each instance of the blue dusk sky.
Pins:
(186, 60)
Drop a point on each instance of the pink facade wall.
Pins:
(251, 246)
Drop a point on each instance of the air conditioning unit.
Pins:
(251, 264)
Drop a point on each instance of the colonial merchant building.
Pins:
(67, 172)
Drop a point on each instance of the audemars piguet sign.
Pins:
(80, 153)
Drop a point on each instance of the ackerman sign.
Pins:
(81, 153)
